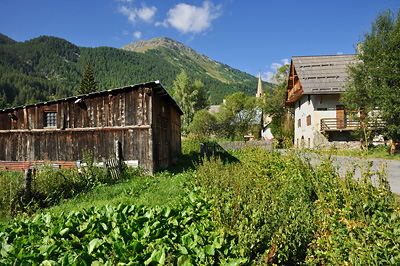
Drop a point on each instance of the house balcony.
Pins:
(348, 124)
(294, 94)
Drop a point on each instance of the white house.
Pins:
(314, 87)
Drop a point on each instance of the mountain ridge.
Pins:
(211, 66)
(47, 68)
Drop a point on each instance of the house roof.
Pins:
(156, 86)
(322, 74)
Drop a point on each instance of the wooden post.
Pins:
(11, 208)
(392, 147)
(27, 184)
(202, 149)
(118, 157)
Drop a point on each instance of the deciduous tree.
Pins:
(190, 96)
(203, 123)
(274, 106)
(374, 80)
(237, 115)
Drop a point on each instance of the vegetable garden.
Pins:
(249, 207)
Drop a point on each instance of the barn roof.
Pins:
(156, 86)
(322, 74)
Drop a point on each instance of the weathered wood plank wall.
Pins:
(93, 123)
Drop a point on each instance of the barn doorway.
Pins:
(163, 151)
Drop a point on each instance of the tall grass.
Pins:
(10, 189)
(49, 186)
(280, 209)
(263, 203)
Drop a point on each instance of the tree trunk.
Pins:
(392, 146)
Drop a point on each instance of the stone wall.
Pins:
(238, 145)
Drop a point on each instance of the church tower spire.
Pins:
(259, 89)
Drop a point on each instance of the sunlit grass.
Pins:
(163, 189)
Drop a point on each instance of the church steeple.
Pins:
(259, 89)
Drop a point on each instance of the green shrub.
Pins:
(191, 144)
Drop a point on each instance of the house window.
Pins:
(51, 119)
(309, 120)
(299, 104)
(299, 123)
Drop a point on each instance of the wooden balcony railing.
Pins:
(340, 124)
(293, 91)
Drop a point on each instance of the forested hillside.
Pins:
(47, 68)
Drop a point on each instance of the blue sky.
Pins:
(249, 35)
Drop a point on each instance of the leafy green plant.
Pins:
(136, 235)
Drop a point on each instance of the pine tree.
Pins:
(88, 84)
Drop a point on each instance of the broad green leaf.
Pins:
(236, 262)
(104, 226)
(95, 243)
(192, 197)
(183, 250)
(218, 242)
(145, 232)
(209, 250)
(187, 241)
(20, 255)
(167, 212)
(160, 256)
(48, 263)
(64, 231)
(6, 248)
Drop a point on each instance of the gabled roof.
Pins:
(322, 74)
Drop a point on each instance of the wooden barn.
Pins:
(144, 119)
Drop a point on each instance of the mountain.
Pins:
(184, 57)
(48, 68)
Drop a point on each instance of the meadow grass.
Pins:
(163, 189)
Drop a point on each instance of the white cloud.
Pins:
(125, 32)
(339, 53)
(275, 66)
(192, 19)
(268, 76)
(145, 13)
(137, 35)
(129, 12)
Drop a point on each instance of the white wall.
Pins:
(318, 107)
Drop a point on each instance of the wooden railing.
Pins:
(339, 124)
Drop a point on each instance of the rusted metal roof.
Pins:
(322, 74)
(156, 86)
